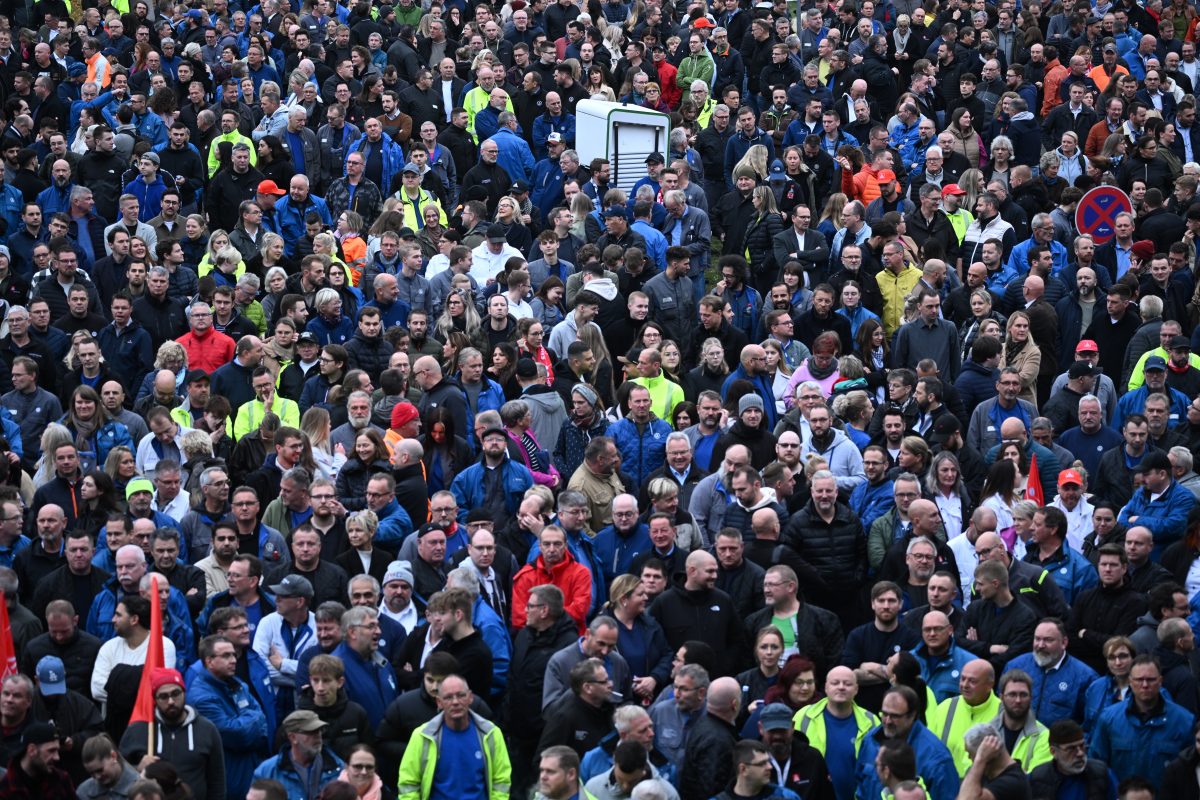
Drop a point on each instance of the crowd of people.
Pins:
(815, 454)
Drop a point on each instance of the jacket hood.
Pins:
(542, 396)
(603, 287)
(768, 497)
(1022, 115)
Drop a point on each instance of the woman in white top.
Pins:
(1000, 494)
(945, 486)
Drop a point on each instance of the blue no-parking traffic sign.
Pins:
(1097, 210)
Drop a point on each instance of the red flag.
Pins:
(1033, 487)
(8, 652)
(143, 709)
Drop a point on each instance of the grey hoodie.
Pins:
(549, 414)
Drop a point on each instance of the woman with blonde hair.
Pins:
(581, 207)
(710, 374)
(778, 372)
(218, 240)
(830, 221)
(459, 314)
(756, 161)
(315, 425)
(971, 182)
(1021, 352)
(640, 639)
(271, 253)
(760, 234)
(363, 557)
(508, 216)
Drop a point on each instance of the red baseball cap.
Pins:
(1070, 476)
(269, 187)
(1087, 346)
(952, 188)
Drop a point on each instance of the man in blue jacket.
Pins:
(131, 566)
(225, 701)
(1060, 680)
(291, 211)
(1049, 550)
(940, 657)
(934, 762)
(515, 156)
(495, 482)
(1161, 504)
(305, 765)
(1141, 734)
(370, 679)
(1134, 402)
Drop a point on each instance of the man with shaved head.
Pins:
(708, 758)
(719, 625)
(834, 722)
(45, 555)
(975, 703)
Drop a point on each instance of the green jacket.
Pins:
(420, 760)
(250, 415)
(694, 68)
(810, 721)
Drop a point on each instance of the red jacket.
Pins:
(208, 352)
(569, 576)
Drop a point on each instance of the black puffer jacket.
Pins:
(708, 758)
(760, 245)
(837, 549)
(370, 354)
(707, 615)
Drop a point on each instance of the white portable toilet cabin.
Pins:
(624, 134)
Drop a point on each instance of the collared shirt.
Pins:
(1122, 257)
(176, 508)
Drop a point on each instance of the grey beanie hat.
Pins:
(749, 401)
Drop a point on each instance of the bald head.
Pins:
(976, 681)
(936, 618)
(724, 698)
(1035, 287)
(1012, 428)
(751, 354)
(990, 547)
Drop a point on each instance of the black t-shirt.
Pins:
(1011, 784)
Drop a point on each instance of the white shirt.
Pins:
(176, 508)
(147, 457)
(115, 652)
(1079, 522)
(486, 265)
(967, 561)
(269, 634)
(409, 617)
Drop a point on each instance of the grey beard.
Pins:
(358, 423)
(1044, 661)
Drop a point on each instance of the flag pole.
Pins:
(150, 724)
